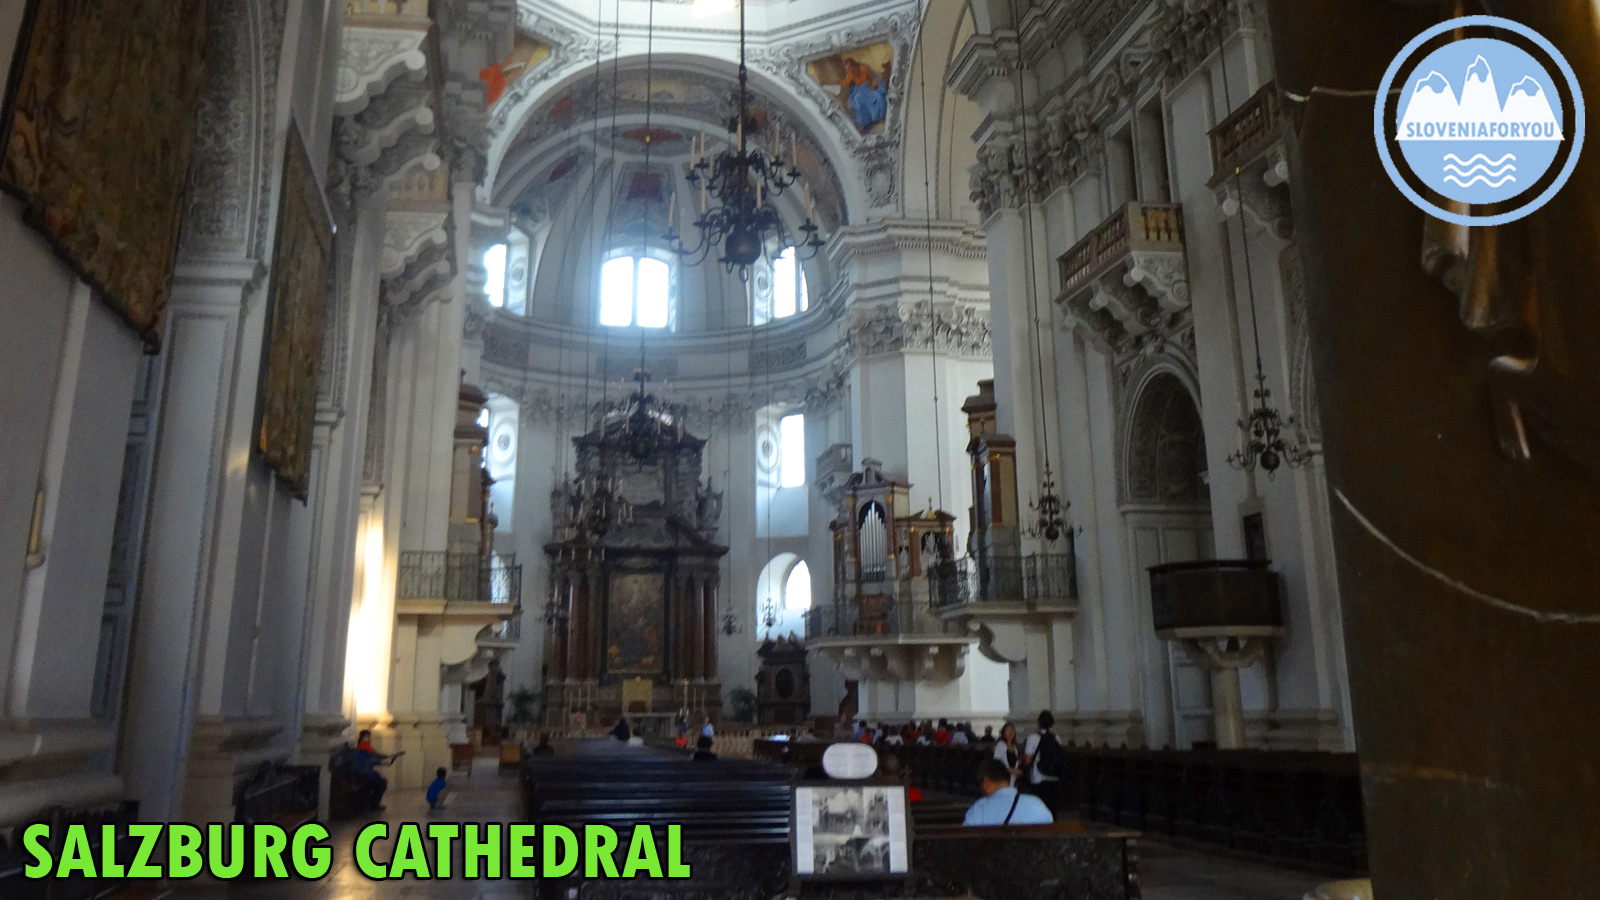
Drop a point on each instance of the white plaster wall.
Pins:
(37, 296)
(65, 597)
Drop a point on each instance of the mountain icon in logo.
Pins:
(1435, 113)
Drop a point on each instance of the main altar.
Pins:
(635, 572)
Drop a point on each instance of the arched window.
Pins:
(505, 269)
(792, 451)
(788, 286)
(494, 263)
(778, 290)
(797, 588)
(636, 290)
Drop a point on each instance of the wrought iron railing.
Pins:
(1040, 578)
(1136, 226)
(873, 617)
(440, 575)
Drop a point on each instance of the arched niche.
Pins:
(1164, 454)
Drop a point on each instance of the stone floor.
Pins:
(1165, 872)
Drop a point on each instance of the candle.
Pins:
(758, 195)
(672, 208)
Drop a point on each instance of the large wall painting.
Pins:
(636, 624)
(858, 80)
(297, 302)
(97, 135)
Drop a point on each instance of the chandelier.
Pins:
(738, 187)
(1049, 509)
(1264, 444)
(730, 624)
(645, 421)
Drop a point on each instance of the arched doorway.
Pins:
(1166, 505)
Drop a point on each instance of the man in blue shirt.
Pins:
(1001, 804)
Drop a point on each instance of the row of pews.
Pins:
(1297, 808)
(736, 824)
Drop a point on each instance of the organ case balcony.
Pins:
(880, 624)
(1126, 283)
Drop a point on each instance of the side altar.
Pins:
(635, 572)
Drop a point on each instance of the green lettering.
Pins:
(109, 867)
(233, 848)
(522, 835)
(569, 856)
(376, 831)
(75, 854)
(409, 855)
(149, 835)
(442, 833)
(33, 839)
(269, 841)
(183, 850)
(676, 867)
(642, 854)
(311, 862)
(488, 851)
(599, 851)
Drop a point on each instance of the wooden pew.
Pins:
(1288, 807)
(15, 885)
(736, 833)
(281, 794)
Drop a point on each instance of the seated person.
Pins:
(621, 731)
(1001, 804)
(702, 750)
(893, 772)
(363, 769)
(543, 748)
(439, 790)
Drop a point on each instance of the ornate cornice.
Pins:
(957, 329)
(1066, 129)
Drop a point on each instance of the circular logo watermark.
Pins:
(1479, 121)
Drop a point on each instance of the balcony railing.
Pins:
(386, 7)
(873, 617)
(1031, 580)
(439, 575)
(1137, 226)
(1246, 133)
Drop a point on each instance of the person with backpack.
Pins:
(1045, 762)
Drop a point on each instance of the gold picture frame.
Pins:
(297, 299)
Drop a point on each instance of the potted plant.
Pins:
(742, 705)
(520, 719)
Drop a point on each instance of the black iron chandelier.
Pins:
(1264, 444)
(738, 189)
(1050, 523)
(1263, 429)
(1049, 509)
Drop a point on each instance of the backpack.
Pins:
(1049, 758)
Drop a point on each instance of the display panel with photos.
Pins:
(851, 832)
